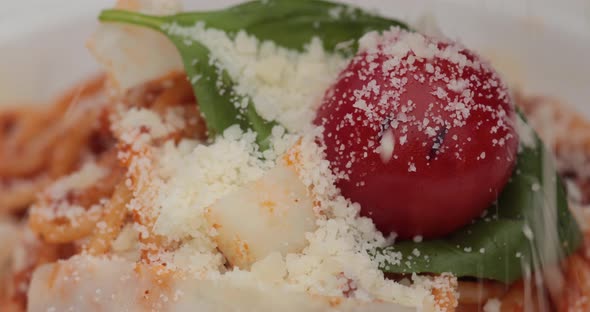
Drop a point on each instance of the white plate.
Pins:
(42, 50)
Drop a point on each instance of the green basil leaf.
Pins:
(516, 234)
(287, 23)
(214, 89)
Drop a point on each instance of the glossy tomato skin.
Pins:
(424, 141)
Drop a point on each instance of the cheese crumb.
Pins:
(493, 305)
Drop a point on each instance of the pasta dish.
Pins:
(291, 156)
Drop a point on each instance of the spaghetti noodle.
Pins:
(40, 147)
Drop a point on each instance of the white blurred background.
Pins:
(571, 14)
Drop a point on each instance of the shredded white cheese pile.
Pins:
(192, 176)
(197, 176)
(285, 85)
(336, 260)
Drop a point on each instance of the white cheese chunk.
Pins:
(269, 215)
(132, 55)
(270, 269)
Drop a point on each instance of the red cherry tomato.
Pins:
(420, 132)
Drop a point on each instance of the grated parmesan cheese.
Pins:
(194, 179)
(55, 196)
(285, 85)
(139, 126)
(191, 177)
(337, 252)
(86, 177)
